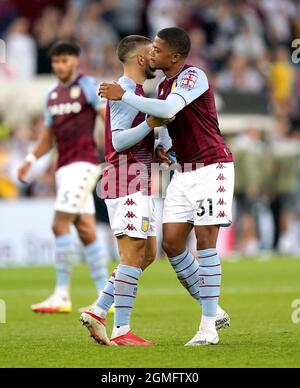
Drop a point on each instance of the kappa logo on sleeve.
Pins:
(189, 80)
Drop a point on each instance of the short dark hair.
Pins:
(64, 48)
(129, 44)
(177, 39)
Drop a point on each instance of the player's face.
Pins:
(150, 72)
(64, 66)
(162, 55)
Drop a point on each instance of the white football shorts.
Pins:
(201, 197)
(132, 215)
(75, 184)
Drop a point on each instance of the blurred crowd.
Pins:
(244, 46)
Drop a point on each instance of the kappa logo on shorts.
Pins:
(221, 177)
(221, 166)
(130, 202)
(130, 215)
(145, 224)
(130, 227)
(221, 189)
(221, 202)
(222, 214)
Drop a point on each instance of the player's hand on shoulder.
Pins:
(111, 91)
(22, 171)
(155, 122)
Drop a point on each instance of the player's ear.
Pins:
(141, 60)
(176, 58)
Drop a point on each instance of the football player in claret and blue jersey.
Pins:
(72, 106)
(126, 188)
(200, 194)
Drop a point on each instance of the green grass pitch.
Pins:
(257, 294)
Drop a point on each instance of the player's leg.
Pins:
(151, 242)
(212, 208)
(132, 254)
(106, 298)
(60, 301)
(186, 266)
(129, 218)
(150, 252)
(122, 290)
(177, 225)
(210, 283)
(137, 251)
(86, 227)
(175, 241)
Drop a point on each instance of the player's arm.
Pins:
(192, 83)
(163, 147)
(164, 140)
(123, 139)
(44, 144)
(102, 112)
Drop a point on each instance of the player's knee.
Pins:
(149, 259)
(133, 255)
(171, 248)
(205, 241)
(59, 228)
(87, 236)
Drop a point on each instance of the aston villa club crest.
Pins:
(75, 92)
(145, 224)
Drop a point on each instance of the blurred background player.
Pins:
(200, 194)
(249, 150)
(126, 187)
(71, 110)
(284, 166)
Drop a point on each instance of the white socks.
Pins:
(122, 330)
(62, 292)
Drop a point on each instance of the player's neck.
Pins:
(69, 80)
(136, 77)
(175, 70)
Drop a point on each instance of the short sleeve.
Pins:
(48, 120)
(191, 84)
(90, 89)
